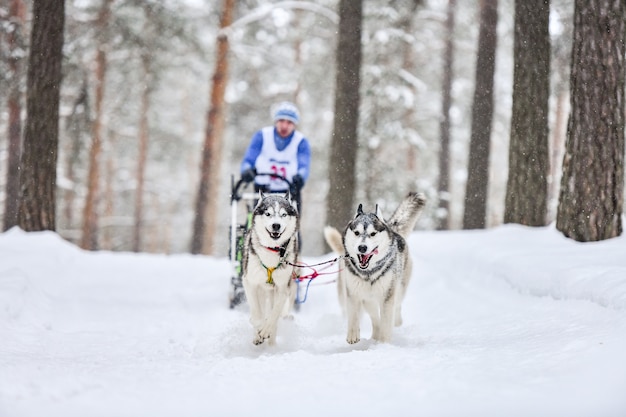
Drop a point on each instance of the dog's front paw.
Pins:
(258, 339)
(266, 332)
(260, 336)
(353, 336)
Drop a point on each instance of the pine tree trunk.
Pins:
(444, 127)
(204, 226)
(78, 123)
(592, 186)
(482, 114)
(90, 212)
(344, 143)
(17, 15)
(529, 158)
(37, 205)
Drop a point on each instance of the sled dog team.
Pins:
(374, 270)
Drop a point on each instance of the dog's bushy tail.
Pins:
(334, 240)
(404, 218)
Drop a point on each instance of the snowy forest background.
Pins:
(164, 51)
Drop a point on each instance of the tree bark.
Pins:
(204, 225)
(344, 143)
(475, 213)
(529, 155)
(90, 213)
(78, 122)
(592, 186)
(37, 205)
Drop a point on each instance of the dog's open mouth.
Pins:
(364, 258)
(274, 235)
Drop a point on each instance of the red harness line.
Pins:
(315, 273)
(310, 277)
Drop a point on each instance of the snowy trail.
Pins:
(510, 321)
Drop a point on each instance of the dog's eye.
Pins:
(372, 234)
(356, 233)
(267, 213)
(283, 215)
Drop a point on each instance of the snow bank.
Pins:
(541, 262)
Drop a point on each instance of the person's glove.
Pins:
(296, 184)
(248, 175)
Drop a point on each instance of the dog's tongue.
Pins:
(364, 259)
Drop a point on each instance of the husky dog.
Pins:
(377, 266)
(269, 255)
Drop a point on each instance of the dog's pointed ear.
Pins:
(359, 211)
(261, 197)
(292, 201)
(379, 213)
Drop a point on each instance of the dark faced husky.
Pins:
(270, 252)
(377, 266)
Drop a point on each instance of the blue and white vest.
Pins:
(271, 160)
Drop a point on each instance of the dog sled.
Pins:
(242, 198)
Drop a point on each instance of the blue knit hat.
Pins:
(286, 111)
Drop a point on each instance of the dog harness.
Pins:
(282, 251)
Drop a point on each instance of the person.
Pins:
(280, 149)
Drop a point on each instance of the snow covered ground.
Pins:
(505, 322)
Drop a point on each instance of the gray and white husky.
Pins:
(269, 258)
(377, 266)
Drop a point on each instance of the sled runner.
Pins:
(243, 196)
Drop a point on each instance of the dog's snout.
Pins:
(362, 248)
(276, 227)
